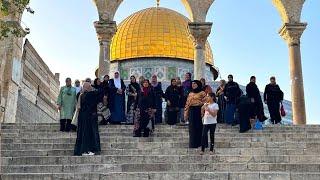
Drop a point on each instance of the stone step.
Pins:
(162, 134)
(40, 151)
(115, 159)
(15, 131)
(163, 167)
(159, 139)
(13, 125)
(159, 145)
(165, 176)
(157, 128)
(165, 151)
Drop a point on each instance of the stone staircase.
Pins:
(40, 151)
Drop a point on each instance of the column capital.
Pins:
(105, 30)
(292, 32)
(199, 33)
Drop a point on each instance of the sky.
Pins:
(244, 39)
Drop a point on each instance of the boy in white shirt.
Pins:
(209, 110)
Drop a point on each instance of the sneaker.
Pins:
(201, 153)
(187, 123)
(90, 154)
(85, 154)
(212, 152)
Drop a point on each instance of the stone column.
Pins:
(105, 31)
(291, 33)
(200, 33)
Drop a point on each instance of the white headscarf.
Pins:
(117, 81)
(87, 87)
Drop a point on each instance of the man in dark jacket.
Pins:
(256, 107)
(273, 96)
(232, 93)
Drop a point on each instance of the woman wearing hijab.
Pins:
(133, 90)
(192, 113)
(221, 101)
(181, 101)
(88, 139)
(157, 89)
(105, 84)
(186, 89)
(147, 109)
(97, 85)
(141, 79)
(172, 96)
(243, 107)
(117, 99)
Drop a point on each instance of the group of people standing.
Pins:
(192, 103)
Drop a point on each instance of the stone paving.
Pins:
(40, 151)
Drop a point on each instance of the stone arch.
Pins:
(289, 10)
(107, 9)
(197, 9)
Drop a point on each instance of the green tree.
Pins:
(12, 7)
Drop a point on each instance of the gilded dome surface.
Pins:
(155, 32)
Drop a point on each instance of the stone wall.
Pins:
(39, 89)
(28, 112)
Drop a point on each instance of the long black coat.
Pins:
(256, 107)
(88, 138)
(173, 94)
(273, 93)
(233, 92)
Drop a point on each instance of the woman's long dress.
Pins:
(132, 101)
(193, 114)
(172, 95)
(117, 102)
(222, 107)
(158, 98)
(244, 113)
(145, 104)
(195, 127)
(88, 138)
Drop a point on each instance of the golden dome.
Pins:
(155, 32)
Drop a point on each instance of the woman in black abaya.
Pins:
(192, 113)
(172, 97)
(88, 139)
(244, 113)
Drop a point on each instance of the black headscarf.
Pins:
(135, 84)
(171, 83)
(95, 84)
(199, 88)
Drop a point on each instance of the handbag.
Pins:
(76, 113)
(282, 111)
(75, 117)
(258, 125)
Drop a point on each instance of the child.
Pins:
(209, 110)
(103, 111)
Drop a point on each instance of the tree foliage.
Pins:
(7, 8)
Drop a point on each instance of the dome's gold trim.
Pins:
(154, 32)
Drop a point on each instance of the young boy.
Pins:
(209, 110)
(103, 111)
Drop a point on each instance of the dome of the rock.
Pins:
(156, 41)
(155, 32)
